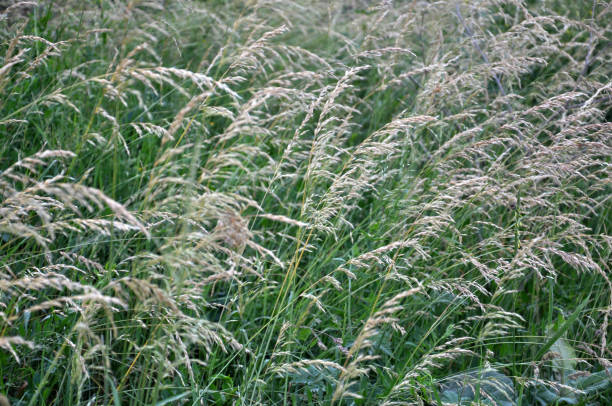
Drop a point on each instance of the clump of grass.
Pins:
(260, 202)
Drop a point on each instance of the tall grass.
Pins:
(305, 202)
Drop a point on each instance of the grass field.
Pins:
(287, 202)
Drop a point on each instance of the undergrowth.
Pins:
(305, 202)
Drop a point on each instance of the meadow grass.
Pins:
(305, 202)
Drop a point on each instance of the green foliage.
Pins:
(305, 202)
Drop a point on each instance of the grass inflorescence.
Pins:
(305, 202)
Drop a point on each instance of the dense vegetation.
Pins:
(305, 202)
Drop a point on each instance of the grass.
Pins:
(254, 202)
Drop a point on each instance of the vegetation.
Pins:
(211, 202)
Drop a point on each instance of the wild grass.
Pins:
(305, 202)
